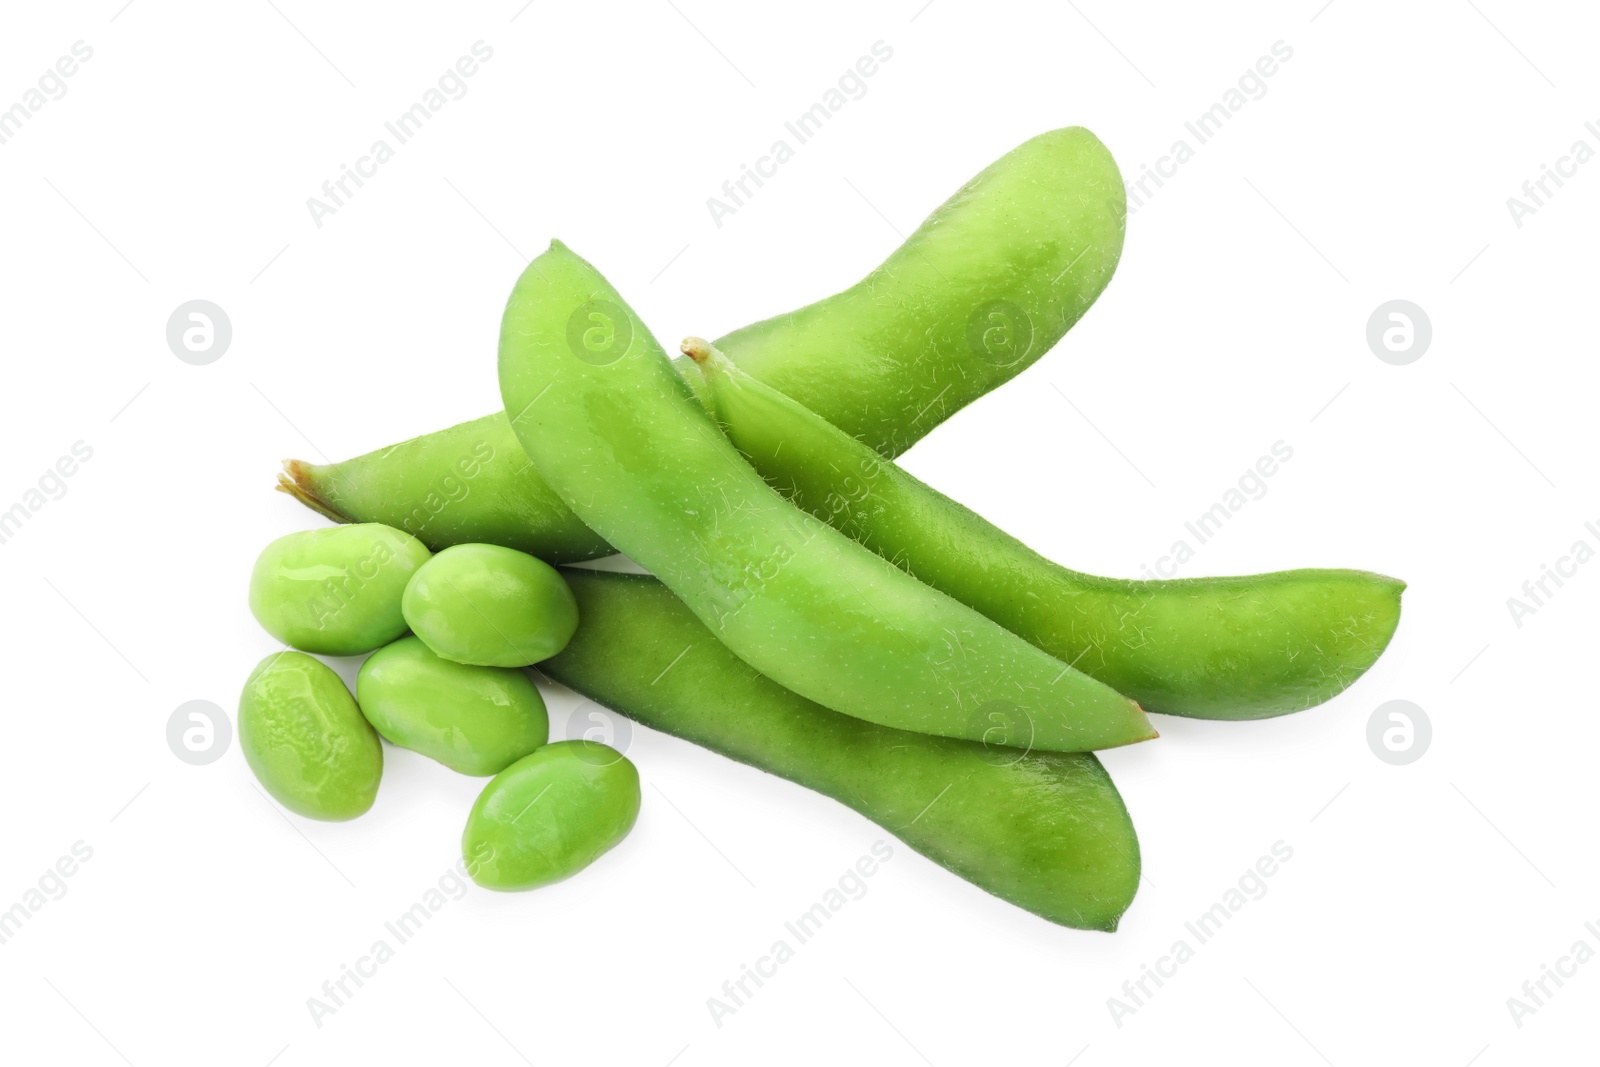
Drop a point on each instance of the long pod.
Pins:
(616, 432)
(1046, 831)
(1244, 647)
(985, 286)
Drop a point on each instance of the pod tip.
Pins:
(298, 481)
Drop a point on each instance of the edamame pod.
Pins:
(468, 484)
(306, 741)
(474, 720)
(337, 590)
(986, 285)
(601, 412)
(1243, 647)
(1045, 831)
(983, 288)
(550, 814)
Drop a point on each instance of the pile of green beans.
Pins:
(812, 609)
(980, 291)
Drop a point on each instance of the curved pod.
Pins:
(1244, 647)
(1045, 831)
(615, 431)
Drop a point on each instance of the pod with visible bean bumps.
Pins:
(305, 739)
(986, 285)
(475, 720)
(550, 814)
(1244, 647)
(1045, 831)
(490, 606)
(336, 591)
(614, 430)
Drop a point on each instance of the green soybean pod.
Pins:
(490, 606)
(475, 720)
(550, 814)
(986, 285)
(610, 425)
(337, 590)
(1244, 647)
(983, 288)
(306, 741)
(470, 483)
(1045, 831)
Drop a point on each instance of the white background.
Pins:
(1377, 166)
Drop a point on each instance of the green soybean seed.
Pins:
(1243, 647)
(1046, 831)
(986, 285)
(490, 606)
(614, 430)
(550, 814)
(305, 739)
(336, 591)
(475, 720)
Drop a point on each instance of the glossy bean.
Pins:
(614, 430)
(306, 741)
(337, 590)
(550, 814)
(1045, 831)
(475, 720)
(490, 606)
(1243, 647)
(985, 286)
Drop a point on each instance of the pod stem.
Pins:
(703, 352)
(296, 479)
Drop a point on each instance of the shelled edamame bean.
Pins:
(551, 814)
(490, 606)
(336, 591)
(475, 720)
(305, 739)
